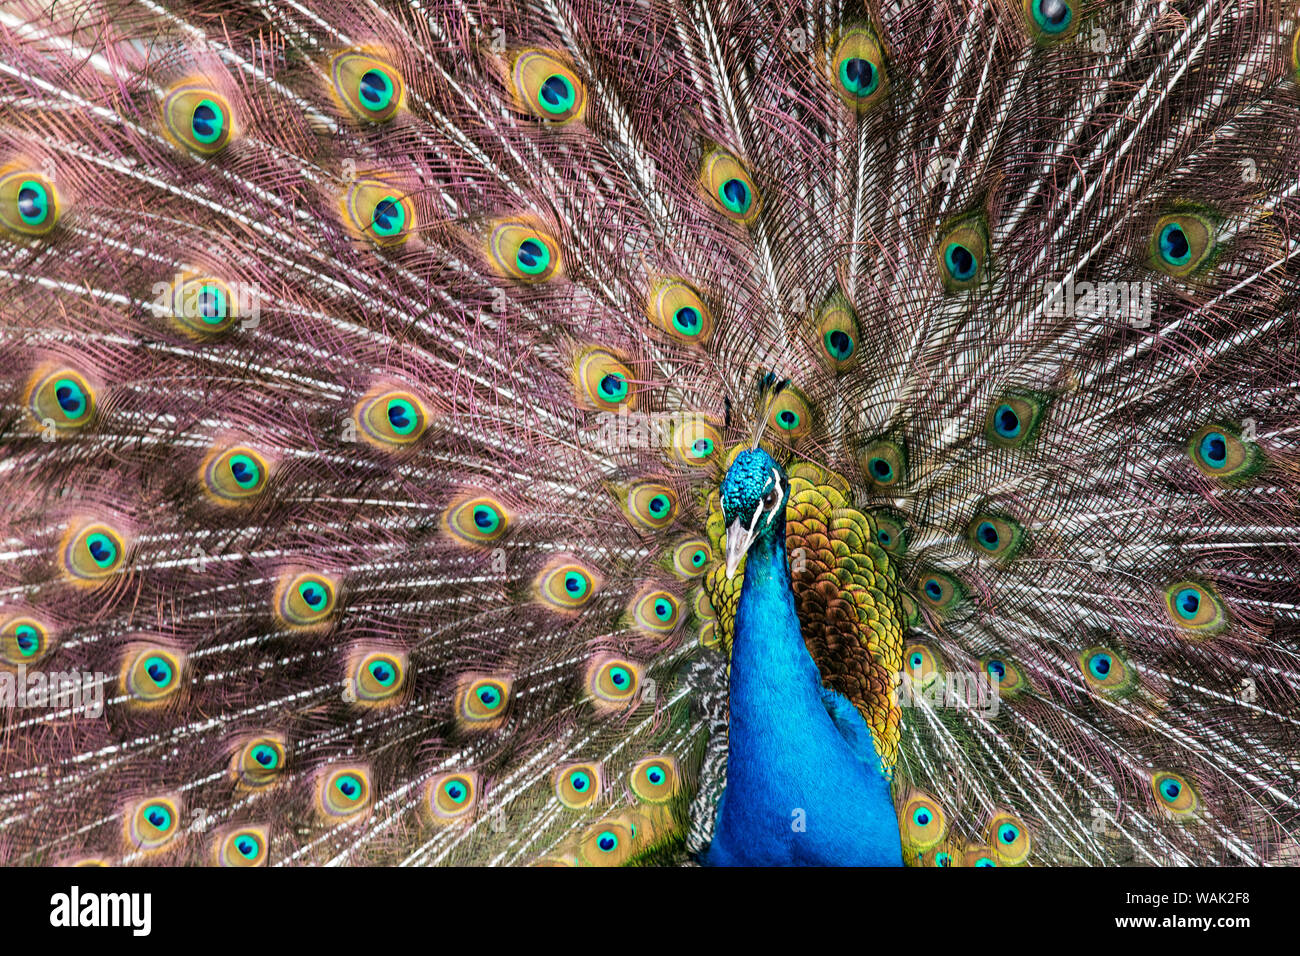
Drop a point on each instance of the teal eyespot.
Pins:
(607, 841)
(735, 195)
(349, 786)
(729, 186)
(557, 94)
(376, 90)
(922, 817)
(1174, 246)
(1182, 242)
(858, 76)
(27, 639)
(33, 202)
(1100, 665)
(1174, 793)
(159, 670)
(456, 791)
(1196, 608)
(403, 416)
(839, 344)
(370, 88)
(102, 550)
(1007, 833)
(858, 70)
(71, 398)
(388, 218)
(547, 87)
(688, 321)
(1219, 452)
(208, 122)
(613, 387)
(533, 257)
(961, 261)
(1014, 420)
(1052, 16)
(268, 758)
(962, 254)
(245, 471)
(383, 673)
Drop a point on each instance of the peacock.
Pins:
(650, 432)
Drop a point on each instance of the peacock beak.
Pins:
(739, 541)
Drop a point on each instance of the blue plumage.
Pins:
(804, 785)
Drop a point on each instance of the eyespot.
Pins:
(654, 779)
(691, 558)
(963, 255)
(245, 846)
(837, 331)
(996, 537)
(1181, 243)
(1218, 452)
(607, 843)
(1195, 607)
(151, 673)
(342, 793)
(977, 855)
(613, 681)
(1014, 420)
(566, 585)
(677, 309)
(858, 67)
(524, 252)
(601, 381)
(1003, 671)
(391, 419)
(921, 665)
(923, 823)
(1174, 793)
(305, 599)
(234, 475)
(1106, 671)
(378, 676)
(885, 463)
(729, 187)
(1049, 21)
(260, 761)
(29, 203)
(790, 417)
(939, 858)
(891, 531)
(547, 87)
(656, 611)
(203, 306)
(477, 520)
(651, 504)
(452, 796)
(1295, 56)
(578, 785)
(62, 397)
(1009, 838)
(370, 89)
(939, 591)
(23, 640)
(379, 211)
(198, 117)
(696, 442)
(482, 702)
(152, 823)
(92, 553)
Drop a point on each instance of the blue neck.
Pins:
(796, 792)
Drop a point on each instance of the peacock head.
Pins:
(754, 492)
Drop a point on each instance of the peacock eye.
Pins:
(772, 498)
(1182, 242)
